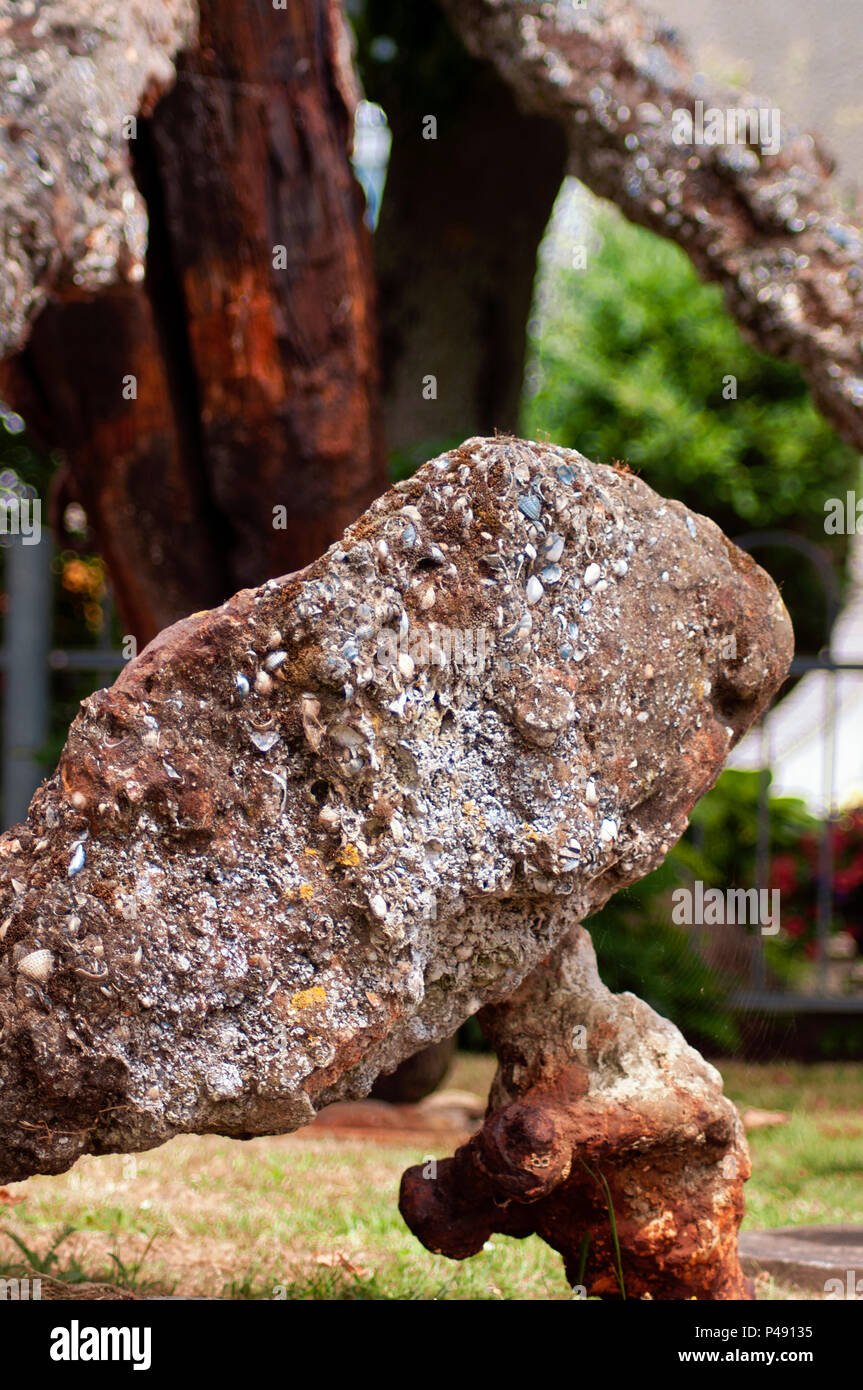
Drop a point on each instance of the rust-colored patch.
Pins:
(564, 1151)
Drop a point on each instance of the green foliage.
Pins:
(638, 949)
(612, 1220)
(629, 360)
(48, 1264)
(125, 1273)
(724, 826)
(725, 823)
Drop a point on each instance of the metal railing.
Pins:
(27, 660)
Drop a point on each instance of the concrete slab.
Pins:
(807, 1256)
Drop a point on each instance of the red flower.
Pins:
(809, 846)
(846, 880)
(794, 926)
(783, 873)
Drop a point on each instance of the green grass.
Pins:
(809, 1171)
(313, 1216)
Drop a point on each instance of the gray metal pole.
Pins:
(26, 673)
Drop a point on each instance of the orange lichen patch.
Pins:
(348, 855)
(307, 891)
(309, 998)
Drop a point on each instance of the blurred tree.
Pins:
(471, 183)
(252, 340)
(635, 359)
(241, 375)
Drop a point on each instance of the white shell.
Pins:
(38, 966)
(264, 741)
(591, 575)
(553, 548)
(346, 736)
(76, 863)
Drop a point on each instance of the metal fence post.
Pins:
(26, 675)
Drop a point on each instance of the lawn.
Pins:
(314, 1215)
